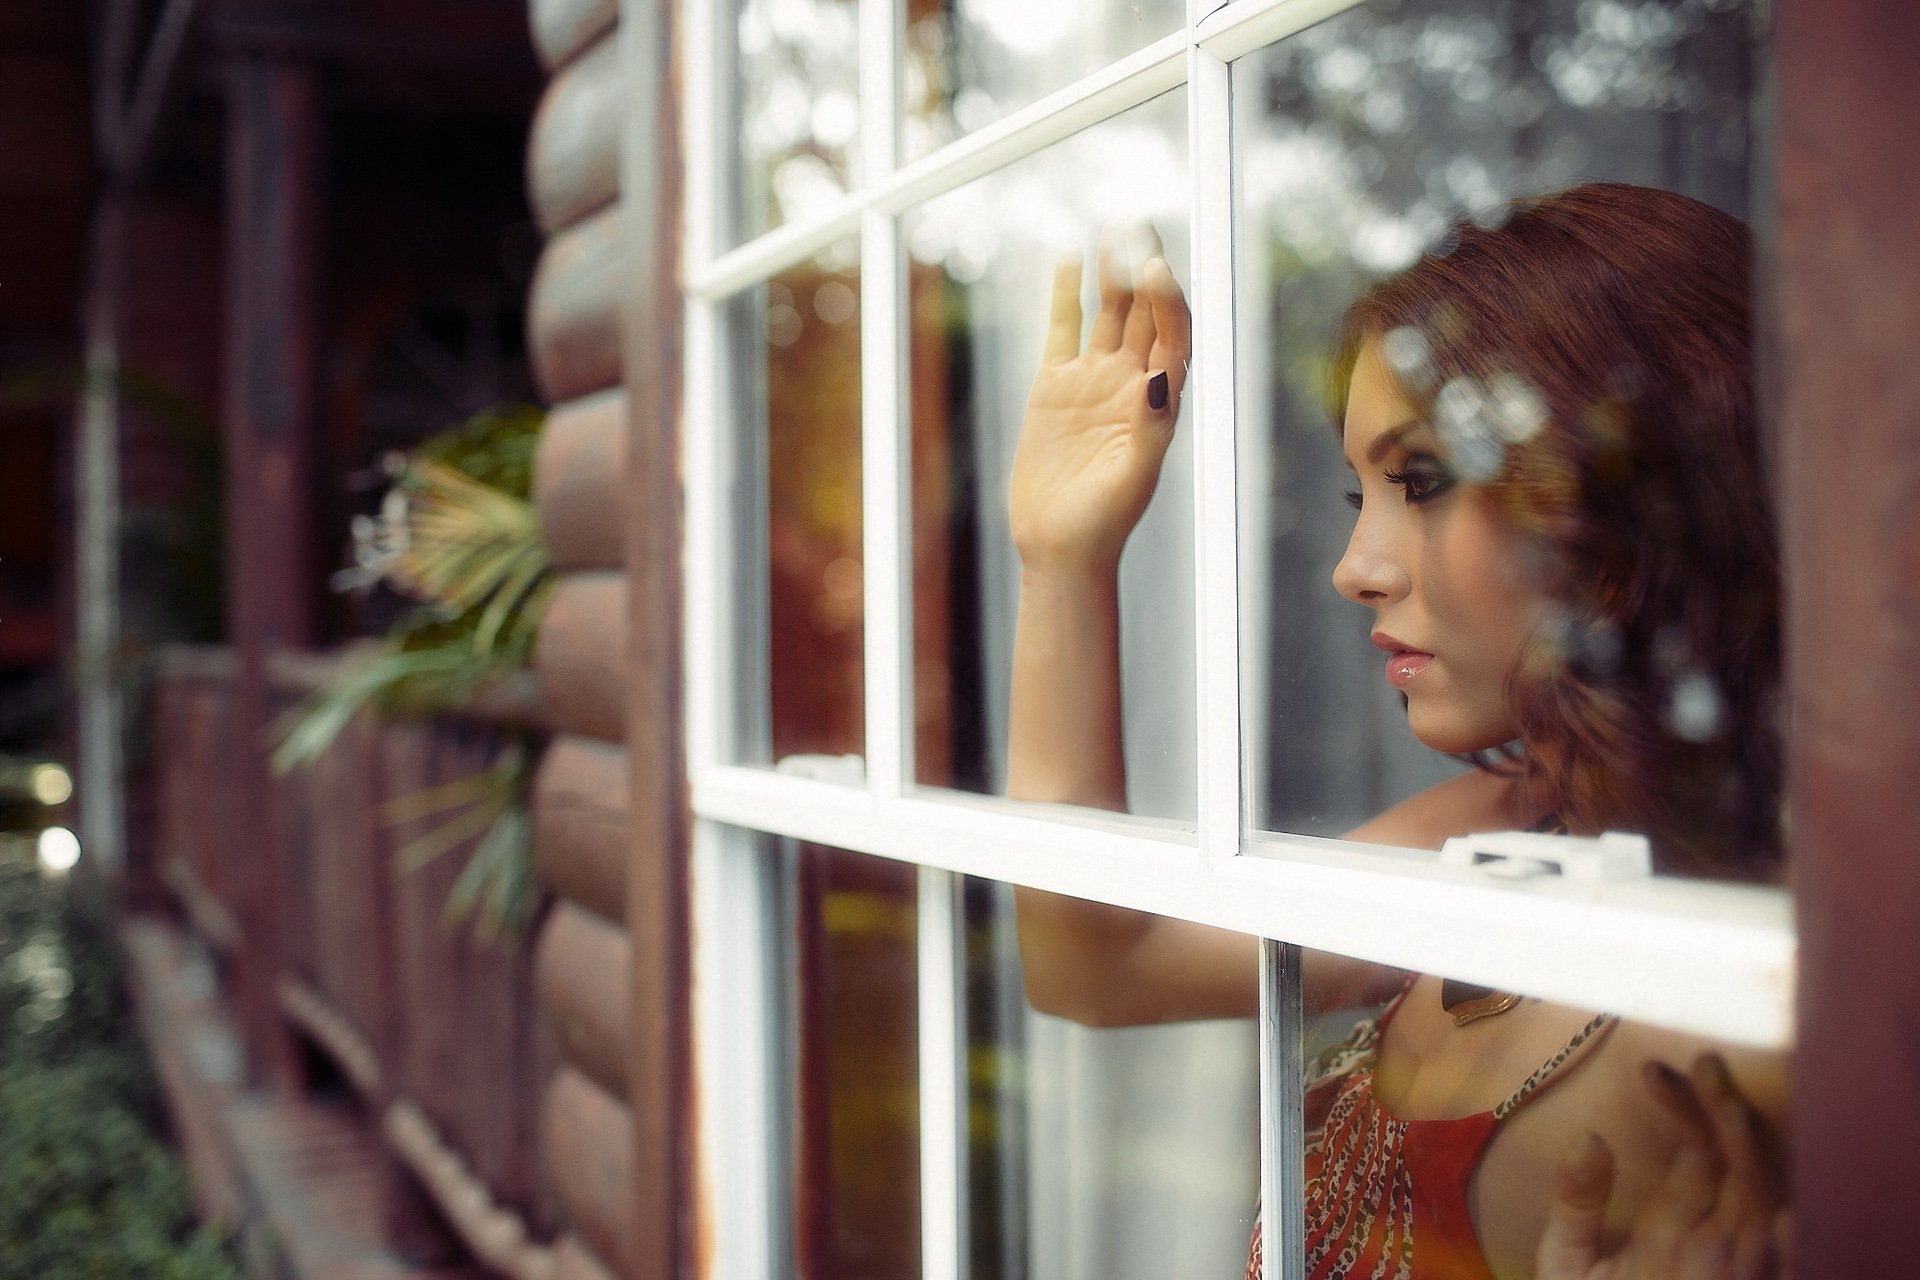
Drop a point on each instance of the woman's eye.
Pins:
(1421, 482)
(1353, 498)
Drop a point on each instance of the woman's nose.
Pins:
(1369, 573)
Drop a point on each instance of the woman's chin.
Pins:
(1453, 734)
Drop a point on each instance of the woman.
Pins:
(1563, 534)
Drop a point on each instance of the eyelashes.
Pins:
(1421, 480)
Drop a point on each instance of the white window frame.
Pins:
(1713, 959)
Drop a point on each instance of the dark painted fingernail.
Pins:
(1667, 1076)
(1716, 1067)
(1157, 391)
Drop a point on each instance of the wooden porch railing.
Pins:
(437, 1032)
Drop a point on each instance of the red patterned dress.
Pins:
(1387, 1198)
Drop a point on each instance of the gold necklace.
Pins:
(1468, 1003)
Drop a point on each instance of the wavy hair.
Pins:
(1587, 357)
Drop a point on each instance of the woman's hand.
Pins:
(1099, 420)
(1717, 1215)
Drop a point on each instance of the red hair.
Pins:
(1591, 354)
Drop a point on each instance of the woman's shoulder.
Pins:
(1474, 801)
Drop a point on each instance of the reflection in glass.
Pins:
(798, 82)
(1118, 1154)
(854, 1047)
(1361, 139)
(982, 260)
(795, 380)
(970, 62)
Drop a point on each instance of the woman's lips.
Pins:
(1404, 664)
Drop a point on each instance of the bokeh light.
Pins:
(59, 850)
(50, 784)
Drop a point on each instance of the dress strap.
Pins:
(1594, 1031)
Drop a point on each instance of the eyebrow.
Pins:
(1392, 436)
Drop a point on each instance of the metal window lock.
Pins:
(1523, 855)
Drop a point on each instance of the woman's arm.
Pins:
(1097, 426)
(1096, 429)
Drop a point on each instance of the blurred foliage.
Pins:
(87, 1189)
(457, 534)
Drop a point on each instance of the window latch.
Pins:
(1610, 857)
(847, 770)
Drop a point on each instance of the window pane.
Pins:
(970, 62)
(1117, 1154)
(1359, 142)
(1440, 1116)
(982, 259)
(856, 1090)
(796, 389)
(797, 82)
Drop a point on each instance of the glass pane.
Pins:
(796, 388)
(797, 84)
(981, 264)
(1362, 141)
(1443, 1121)
(1117, 1154)
(970, 62)
(1561, 564)
(856, 1087)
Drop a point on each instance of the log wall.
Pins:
(586, 961)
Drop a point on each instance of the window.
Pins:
(875, 192)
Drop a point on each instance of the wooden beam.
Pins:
(661, 1205)
(1845, 278)
(582, 834)
(574, 316)
(582, 969)
(562, 28)
(269, 414)
(589, 1138)
(577, 483)
(573, 159)
(582, 658)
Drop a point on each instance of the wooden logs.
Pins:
(574, 313)
(583, 970)
(588, 1139)
(577, 482)
(582, 656)
(562, 28)
(580, 824)
(573, 160)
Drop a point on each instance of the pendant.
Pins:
(1468, 1003)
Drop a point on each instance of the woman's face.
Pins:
(1453, 586)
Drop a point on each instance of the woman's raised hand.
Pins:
(1099, 419)
(1716, 1215)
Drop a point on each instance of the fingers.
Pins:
(1063, 322)
(1571, 1245)
(1142, 326)
(1116, 294)
(1172, 322)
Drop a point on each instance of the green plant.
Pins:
(458, 535)
(87, 1189)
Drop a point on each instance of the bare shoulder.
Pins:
(1474, 801)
